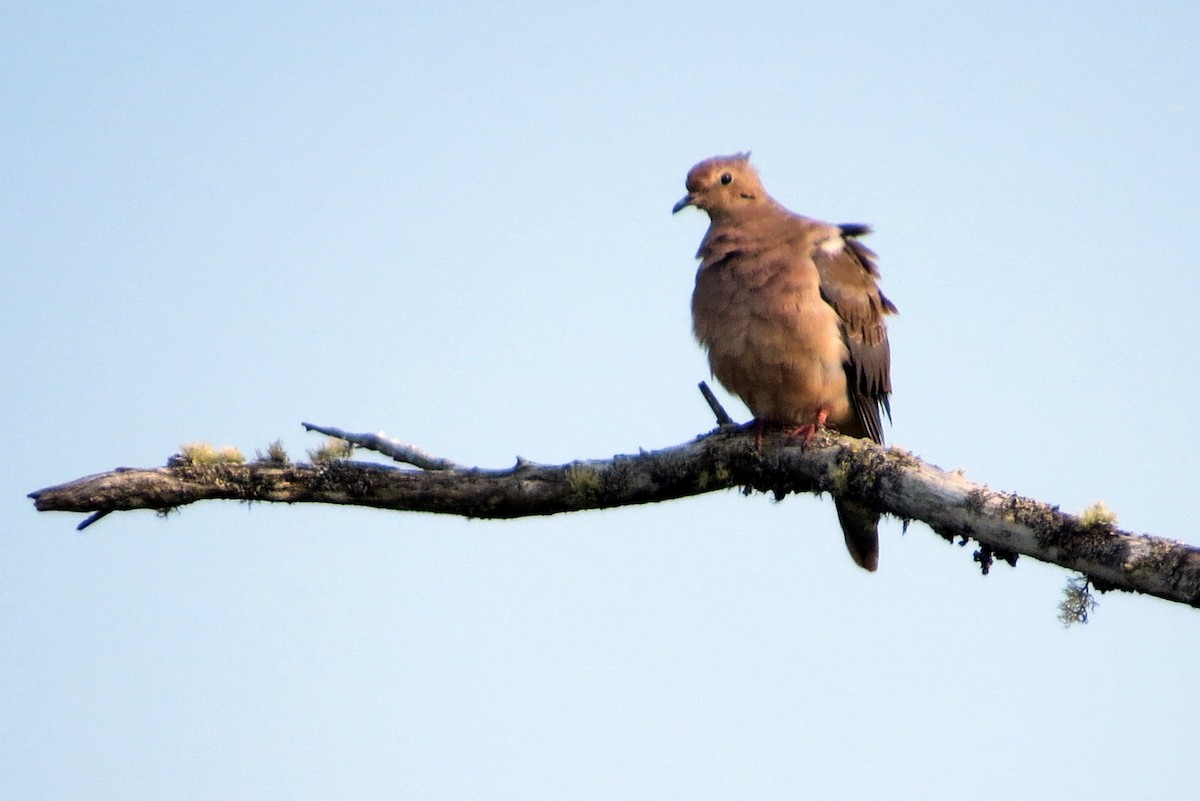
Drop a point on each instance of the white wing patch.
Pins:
(832, 245)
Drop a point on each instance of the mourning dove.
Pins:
(792, 319)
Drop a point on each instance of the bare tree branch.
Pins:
(892, 480)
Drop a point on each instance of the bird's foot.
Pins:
(809, 430)
(805, 432)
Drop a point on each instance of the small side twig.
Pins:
(393, 448)
(723, 418)
(92, 518)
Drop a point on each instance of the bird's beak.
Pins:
(685, 201)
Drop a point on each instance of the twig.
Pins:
(392, 448)
(723, 418)
(92, 518)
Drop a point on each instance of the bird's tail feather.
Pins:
(860, 525)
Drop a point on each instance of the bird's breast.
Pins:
(772, 340)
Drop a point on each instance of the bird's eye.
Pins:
(726, 178)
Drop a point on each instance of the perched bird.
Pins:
(792, 318)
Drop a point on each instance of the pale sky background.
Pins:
(452, 223)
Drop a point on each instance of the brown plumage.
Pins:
(790, 313)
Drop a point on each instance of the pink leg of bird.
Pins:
(809, 430)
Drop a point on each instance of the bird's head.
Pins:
(723, 185)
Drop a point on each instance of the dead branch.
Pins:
(895, 481)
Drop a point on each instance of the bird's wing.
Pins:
(848, 284)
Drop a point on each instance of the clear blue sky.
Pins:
(452, 223)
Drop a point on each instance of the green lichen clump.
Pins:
(203, 453)
(585, 482)
(331, 450)
(719, 476)
(275, 454)
(840, 477)
(1098, 514)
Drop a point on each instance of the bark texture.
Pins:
(894, 481)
